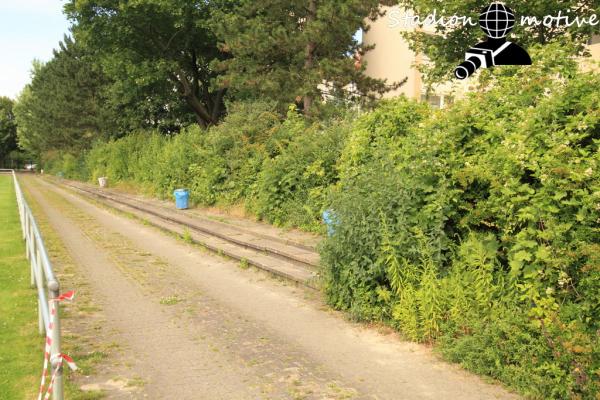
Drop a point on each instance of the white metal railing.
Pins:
(48, 288)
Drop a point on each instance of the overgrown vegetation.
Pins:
(278, 169)
(477, 228)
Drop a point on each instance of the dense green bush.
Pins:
(378, 129)
(230, 155)
(293, 186)
(478, 228)
(66, 164)
(280, 169)
(218, 165)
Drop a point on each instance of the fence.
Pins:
(48, 292)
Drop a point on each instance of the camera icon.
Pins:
(496, 21)
(477, 58)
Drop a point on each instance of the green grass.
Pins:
(21, 347)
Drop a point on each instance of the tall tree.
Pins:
(156, 48)
(448, 46)
(296, 49)
(64, 106)
(8, 130)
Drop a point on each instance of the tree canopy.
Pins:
(8, 130)
(297, 50)
(161, 50)
(64, 106)
(165, 64)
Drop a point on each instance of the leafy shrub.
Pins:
(292, 187)
(280, 169)
(220, 164)
(66, 164)
(477, 227)
(232, 153)
(377, 129)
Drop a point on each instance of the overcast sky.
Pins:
(29, 29)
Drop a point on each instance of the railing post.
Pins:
(57, 393)
(38, 275)
(31, 246)
(33, 268)
(41, 326)
(19, 203)
(31, 241)
(26, 235)
(32, 273)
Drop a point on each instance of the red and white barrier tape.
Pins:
(48, 348)
(61, 358)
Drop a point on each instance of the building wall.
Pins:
(391, 58)
(594, 47)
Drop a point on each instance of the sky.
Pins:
(29, 29)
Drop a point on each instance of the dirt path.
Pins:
(200, 327)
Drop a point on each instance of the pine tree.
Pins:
(64, 106)
(293, 50)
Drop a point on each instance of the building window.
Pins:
(437, 101)
(432, 99)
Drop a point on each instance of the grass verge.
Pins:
(21, 347)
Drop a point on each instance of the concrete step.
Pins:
(287, 260)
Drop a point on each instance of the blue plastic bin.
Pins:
(330, 221)
(182, 197)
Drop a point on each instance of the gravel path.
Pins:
(201, 327)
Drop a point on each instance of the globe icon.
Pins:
(497, 20)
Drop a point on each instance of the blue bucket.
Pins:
(330, 220)
(182, 197)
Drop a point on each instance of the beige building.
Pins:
(392, 59)
(594, 48)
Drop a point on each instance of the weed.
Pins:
(170, 300)
(187, 236)
(136, 382)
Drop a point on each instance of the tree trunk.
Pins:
(203, 117)
(218, 104)
(309, 60)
